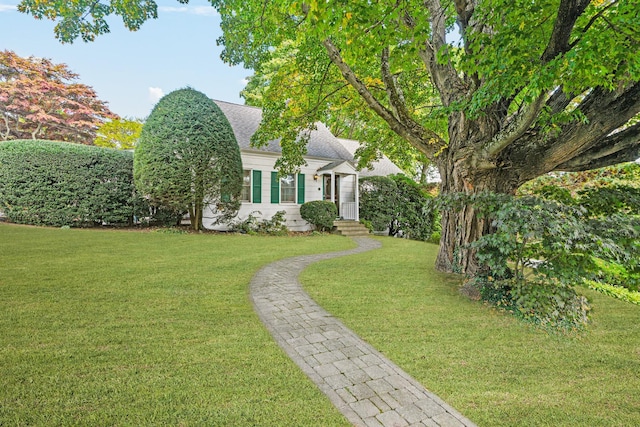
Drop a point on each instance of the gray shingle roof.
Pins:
(382, 167)
(331, 165)
(245, 120)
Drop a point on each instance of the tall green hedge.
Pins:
(58, 183)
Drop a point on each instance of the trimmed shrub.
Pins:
(59, 183)
(320, 213)
(416, 216)
(187, 158)
(397, 204)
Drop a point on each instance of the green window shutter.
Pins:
(300, 188)
(275, 188)
(257, 186)
(224, 196)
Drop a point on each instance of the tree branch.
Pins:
(464, 9)
(568, 13)
(619, 106)
(559, 101)
(606, 112)
(591, 22)
(424, 140)
(623, 146)
(444, 76)
(396, 99)
(438, 23)
(514, 130)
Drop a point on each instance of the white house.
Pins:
(328, 175)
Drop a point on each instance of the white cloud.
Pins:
(193, 10)
(8, 7)
(205, 11)
(155, 93)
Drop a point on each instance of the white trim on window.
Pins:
(288, 189)
(246, 196)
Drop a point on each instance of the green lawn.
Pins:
(129, 328)
(495, 369)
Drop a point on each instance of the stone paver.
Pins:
(365, 386)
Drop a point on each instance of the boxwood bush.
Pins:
(320, 213)
(59, 183)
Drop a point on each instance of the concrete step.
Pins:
(350, 228)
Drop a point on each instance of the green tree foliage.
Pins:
(398, 204)
(529, 88)
(320, 213)
(607, 196)
(121, 134)
(347, 116)
(605, 191)
(541, 249)
(187, 158)
(58, 183)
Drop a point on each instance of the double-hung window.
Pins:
(287, 189)
(246, 186)
(251, 186)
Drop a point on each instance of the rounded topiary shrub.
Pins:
(187, 158)
(320, 213)
(60, 183)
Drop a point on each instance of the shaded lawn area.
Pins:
(132, 328)
(496, 370)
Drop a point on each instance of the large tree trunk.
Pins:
(460, 175)
(460, 228)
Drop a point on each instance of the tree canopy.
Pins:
(41, 100)
(121, 134)
(187, 158)
(529, 88)
(347, 117)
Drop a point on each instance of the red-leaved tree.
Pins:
(41, 100)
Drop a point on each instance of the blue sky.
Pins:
(131, 70)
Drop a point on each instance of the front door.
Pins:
(327, 190)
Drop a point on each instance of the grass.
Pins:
(130, 328)
(495, 369)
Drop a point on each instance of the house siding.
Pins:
(325, 153)
(263, 165)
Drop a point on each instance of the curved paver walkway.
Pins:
(366, 387)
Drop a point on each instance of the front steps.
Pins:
(350, 228)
